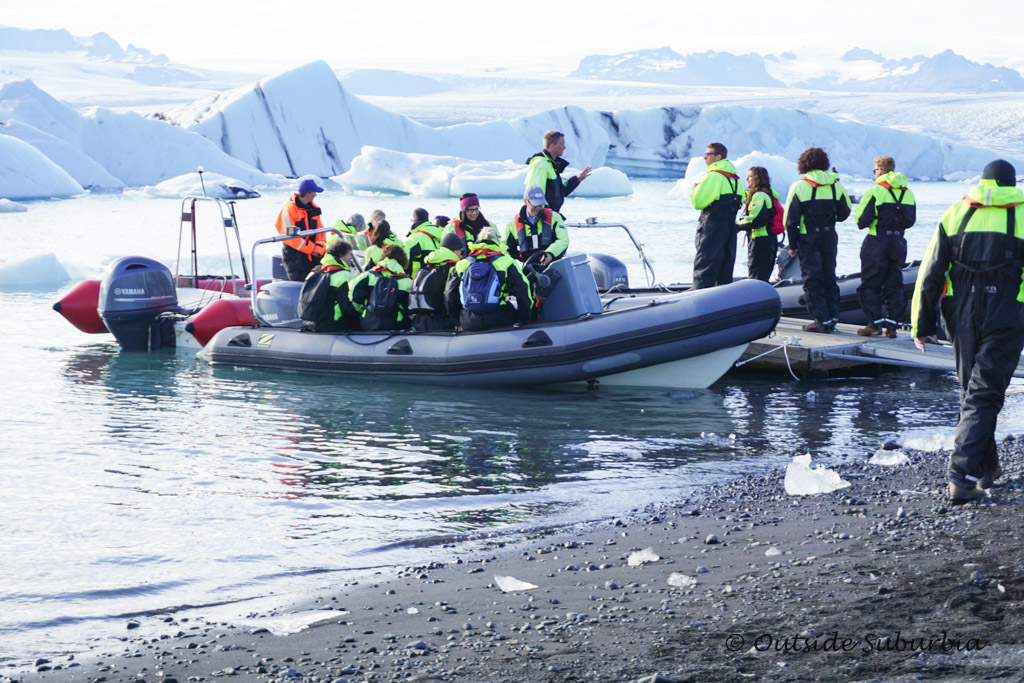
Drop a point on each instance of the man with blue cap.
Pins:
(973, 272)
(301, 254)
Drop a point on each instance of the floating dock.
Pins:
(790, 348)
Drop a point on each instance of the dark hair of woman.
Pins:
(380, 233)
(812, 159)
(339, 248)
(760, 183)
(397, 253)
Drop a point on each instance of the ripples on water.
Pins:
(137, 483)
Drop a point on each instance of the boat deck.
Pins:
(790, 347)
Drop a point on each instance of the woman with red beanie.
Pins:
(469, 223)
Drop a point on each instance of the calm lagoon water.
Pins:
(141, 484)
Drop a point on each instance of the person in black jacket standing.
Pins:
(973, 270)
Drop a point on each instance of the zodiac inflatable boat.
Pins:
(686, 340)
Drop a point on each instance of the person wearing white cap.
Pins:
(299, 255)
(536, 229)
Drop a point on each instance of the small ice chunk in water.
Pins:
(889, 458)
(642, 556)
(510, 584)
(801, 480)
(681, 580)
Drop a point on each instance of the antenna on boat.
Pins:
(199, 169)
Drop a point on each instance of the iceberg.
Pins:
(125, 149)
(85, 170)
(277, 127)
(26, 173)
(43, 271)
(661, 142)
(426, 175)
(211, 185)
(7, 206)
(802, 480)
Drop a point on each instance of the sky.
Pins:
(267, 36)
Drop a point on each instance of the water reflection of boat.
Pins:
(684, 340)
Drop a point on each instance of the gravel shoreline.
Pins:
(883, 580)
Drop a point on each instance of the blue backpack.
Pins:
(480, 290)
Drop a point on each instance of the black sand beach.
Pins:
(883, 580)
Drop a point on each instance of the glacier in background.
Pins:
(266, 132)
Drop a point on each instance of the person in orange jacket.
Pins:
(301, 254)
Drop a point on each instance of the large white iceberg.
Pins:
(305, 121)
(26, 173)
(663, 141)
(427, 175)
(132, 149)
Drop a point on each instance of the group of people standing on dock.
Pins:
(814, 205)
(450, 273)
(972, 274)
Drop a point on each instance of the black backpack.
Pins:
(905, 215)
(382, 305)
(317, 297)
(427, 295)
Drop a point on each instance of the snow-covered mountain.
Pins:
(865, 71)
(665, 65)
(858, 70)
(96, 70)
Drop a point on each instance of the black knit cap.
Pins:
(1002, 172)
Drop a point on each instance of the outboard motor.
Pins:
(278, 303)
(609, 272)
(134, 292)
(574, 294)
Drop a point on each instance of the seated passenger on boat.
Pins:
(353, 231)
(426, 301)
(380, 238)
(337, 264)
(424, 237)
(481, 286)
(470, 221)
(299, 255)
(381, 295)
(536, 229)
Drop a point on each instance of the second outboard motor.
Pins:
(278, 303)
(134, 292)
(609, 272)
